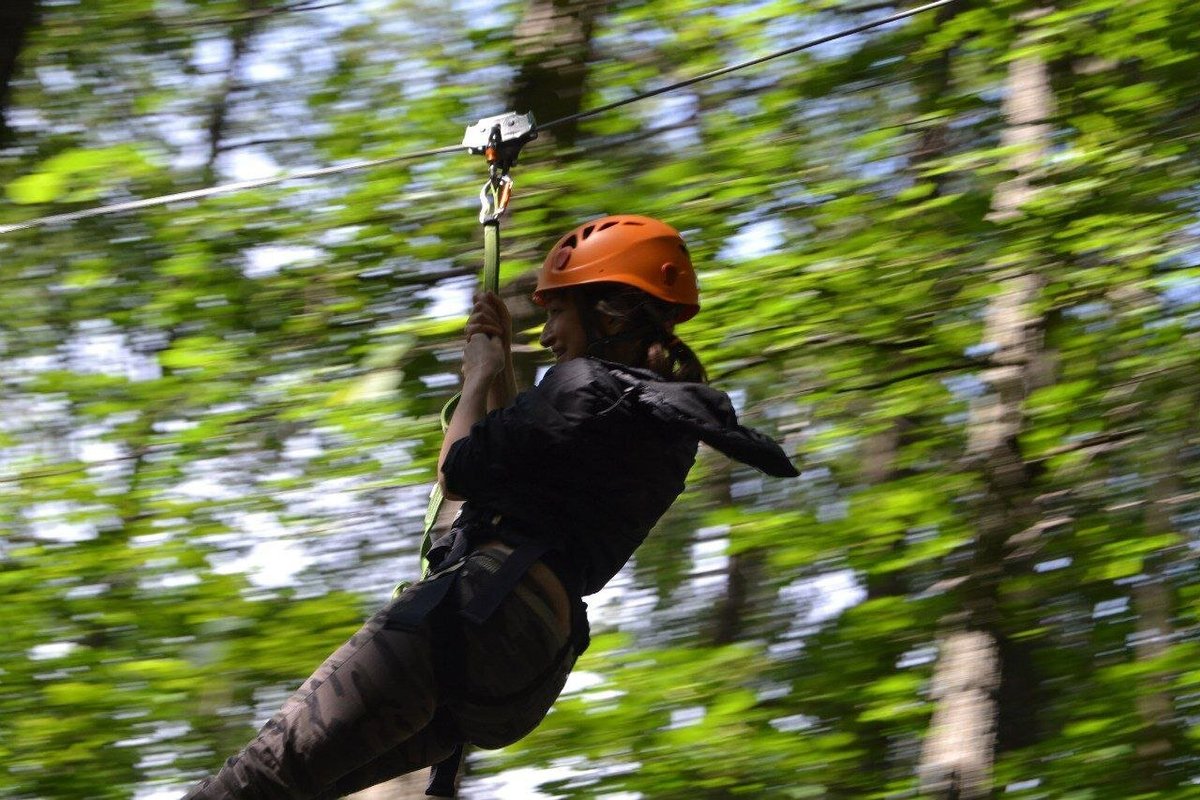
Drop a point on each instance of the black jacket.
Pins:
(592, 456)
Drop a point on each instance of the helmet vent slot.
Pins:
(606, 226)
(588, 231)
(570, 241)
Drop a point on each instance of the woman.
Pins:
(562, 483)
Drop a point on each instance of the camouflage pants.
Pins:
(397, 696)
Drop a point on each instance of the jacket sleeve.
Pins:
(707, 414)
(523, 438)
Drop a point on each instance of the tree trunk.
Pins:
(218, 118)
(735, 608)
(552, 44)
(16, 19)
(957, 760)
(1154, 604)
(879, 455)
(959, 749)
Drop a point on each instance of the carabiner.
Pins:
(494, 197)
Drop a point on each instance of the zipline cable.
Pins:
(716, 73)
(223, 188)
(227, 188)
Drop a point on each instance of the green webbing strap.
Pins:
(490, 280)
(435, 495)
(491, 256)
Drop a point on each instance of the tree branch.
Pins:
(226, 148)
(1104, 441)
(54, 473)
(16, 18)
(921, 373)
(250, 16)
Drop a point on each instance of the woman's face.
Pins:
(563, 332)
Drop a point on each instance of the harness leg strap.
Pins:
(495, 589)
(443, 774)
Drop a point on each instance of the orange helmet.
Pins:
(636, 251)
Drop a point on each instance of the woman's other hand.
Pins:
(489, 316)
(483, 358)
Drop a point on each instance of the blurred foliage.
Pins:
(219, 418)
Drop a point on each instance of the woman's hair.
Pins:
(645, 339)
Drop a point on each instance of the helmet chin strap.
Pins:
(593, 327)
(598, 344)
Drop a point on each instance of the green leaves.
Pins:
(40, 187)
(81, 175)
